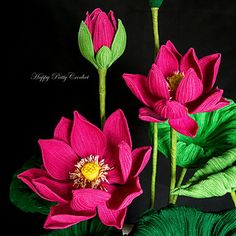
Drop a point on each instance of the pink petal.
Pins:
(104, 32)
(190, 88)
(115, 175)
(62, 216)
(138, 86)
(91, 19)
(112, 19)
(166, 62)
(63, 130)
(173, 49)
(190, 60)
(157, 83)
(58, 158)
(122, 196)
(88, 198)
(185, 125)
(167, 109)
(222, 103)
(86, 138)
(209, 66)
(112, 217)
(141, 157)
(149, 115)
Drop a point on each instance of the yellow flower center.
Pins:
(174, 80)
(90, 170)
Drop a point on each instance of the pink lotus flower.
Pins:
(177, 85)
(86, 171)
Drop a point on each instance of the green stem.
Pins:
(173, 163)
(155, 28)
(154, 164)
(233, 196)
(181, 178)
(102, 94)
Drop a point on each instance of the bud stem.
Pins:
(155, 28)
(233, 196)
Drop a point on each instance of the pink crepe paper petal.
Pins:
(185, 125)
(149, 115)
(86, 138)
(140, 156)
(190, 60)
(167, 109)
(62, 216)
(88, 198)
(112, 217)
(157, 83)
(58, 158)
(222, 103)
(166, 62)
(112, 19)
(209, 66)
(190, 87)
(115, 175)
(173, 49)
(63, 130)
(122, 196)
(138, 85)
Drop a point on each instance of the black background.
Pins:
(43, 39)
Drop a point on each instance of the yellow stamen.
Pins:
(174, 80)
(90, 170)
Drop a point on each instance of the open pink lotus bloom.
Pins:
(177, 85)
(102, 28)
(87, 171)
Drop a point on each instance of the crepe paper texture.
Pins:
(102, 40)
(216, 178)
(155, 3)
(184, 221)
(88, 171)
(177, 86)
(216, 135)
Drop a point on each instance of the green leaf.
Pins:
(155, 3)
(216, 178)
(119, 42)
(216, 134)
(103, 57)
(87, 228)
(86, 44)
(23, 197)
(184, 221)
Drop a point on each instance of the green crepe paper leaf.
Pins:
(23, 197)
(216, 134)
(87, 228)
(216, 178)
(86, 44)
(119, 42)
(184, 221)
(103, 57)
(155, 3)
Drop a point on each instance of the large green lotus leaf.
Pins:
(185, 221)
(216, 134)
(23, 197)
(216, 178)
(91, 227)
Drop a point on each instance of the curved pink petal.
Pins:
(173, 49)
(91, 19)
(58, 158)
(222, 103)
(88, 198)
(62, 216)
(112, 19)
(123, 195)
(167, 109)
(112, 217)
(86, 139)
(115, 175)
(190, 87)
(149, 115)
(139, 87)
(141, 157)
(63, 130)
(166, 62)
(104, 32)
(185, 125)
(157, 83)
(209, 66)
(190, 60)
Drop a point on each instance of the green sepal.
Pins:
(103, 58)
(155, 3)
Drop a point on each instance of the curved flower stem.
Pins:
(181, 178)
(233, 196)
(155, 28)
(173, 163)
(154, 164)
(102, 94)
